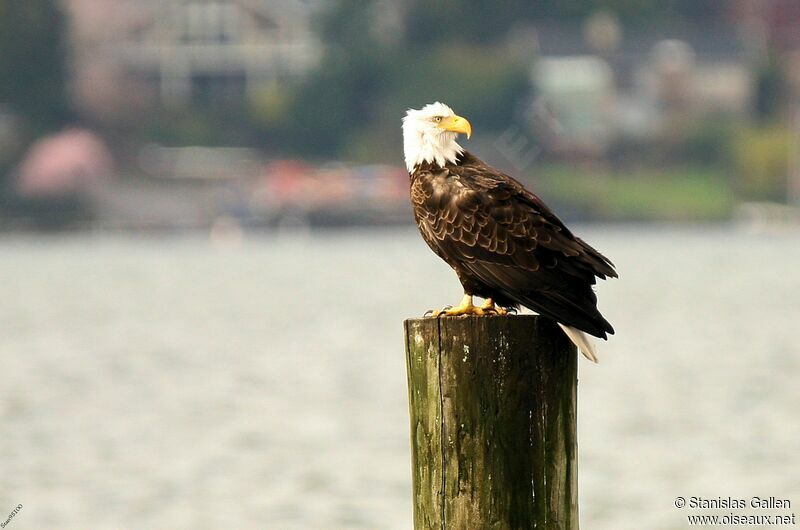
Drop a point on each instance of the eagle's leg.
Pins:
(489, 307)
(466, 307)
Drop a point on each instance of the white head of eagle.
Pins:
(429, 135)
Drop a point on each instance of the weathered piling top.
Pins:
(492, 401)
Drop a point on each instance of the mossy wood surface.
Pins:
(492, 403)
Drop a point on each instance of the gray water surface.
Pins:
(167, 383)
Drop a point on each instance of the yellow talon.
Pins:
(489, 307)
(466, 307)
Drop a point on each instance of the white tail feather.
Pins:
(582, 341)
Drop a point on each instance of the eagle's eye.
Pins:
(437, 119)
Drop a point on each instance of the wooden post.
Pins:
(492, 402)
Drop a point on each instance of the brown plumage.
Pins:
(504, 243)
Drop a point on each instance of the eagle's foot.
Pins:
(490, 308)
(466, 307)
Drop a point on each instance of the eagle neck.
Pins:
(437, 150)
(433, 166)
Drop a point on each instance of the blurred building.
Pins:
(604, 83)
(773, 25)
(579, 91)
(133, 53)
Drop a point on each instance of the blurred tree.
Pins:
(340, 96)
(364, 85)
(770, 90)
(473, 80)
(32, 63)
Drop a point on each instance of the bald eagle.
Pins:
(503, 242)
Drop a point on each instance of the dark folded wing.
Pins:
(496, 231)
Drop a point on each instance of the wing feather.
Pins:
(488, 225)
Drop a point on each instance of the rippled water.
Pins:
(166, 383)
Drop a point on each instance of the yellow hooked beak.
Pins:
(456, 124)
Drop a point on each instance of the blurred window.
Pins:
(211, 90)
(210, 23)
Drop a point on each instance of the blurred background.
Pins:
(208, 250)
